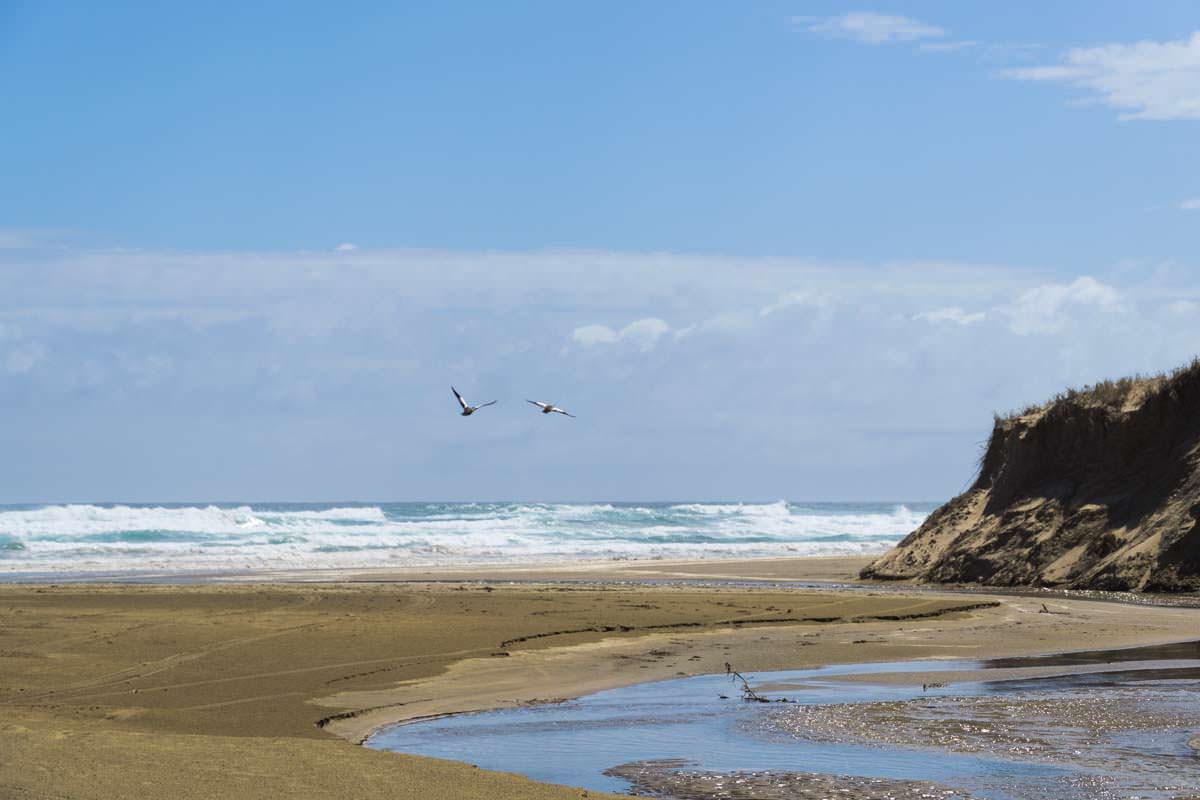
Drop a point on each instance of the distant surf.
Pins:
(103, 538)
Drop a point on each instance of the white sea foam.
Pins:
(130, 538)
(778, 508)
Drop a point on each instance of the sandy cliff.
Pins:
(1097, 489)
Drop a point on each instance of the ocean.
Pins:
(41, 540)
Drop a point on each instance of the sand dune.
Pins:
(1097, 489)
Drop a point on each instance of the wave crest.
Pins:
(86, 537)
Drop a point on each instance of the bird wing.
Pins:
(459, 397)
(484, 405)
(537, 403)
(564, 413)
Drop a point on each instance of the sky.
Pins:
(765, 250)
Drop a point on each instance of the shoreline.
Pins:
(789, 573)
(107, 687)
(823, 569)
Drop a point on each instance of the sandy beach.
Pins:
(256, 689)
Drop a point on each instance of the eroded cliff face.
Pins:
(1087, 492)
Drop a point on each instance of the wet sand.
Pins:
(810, 569)
(262, 690)
(675, 779)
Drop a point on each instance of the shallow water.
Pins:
(1090, 736)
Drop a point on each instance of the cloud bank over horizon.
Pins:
(144, 375)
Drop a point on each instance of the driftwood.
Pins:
(748, 693)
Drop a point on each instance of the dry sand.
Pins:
(217, 690)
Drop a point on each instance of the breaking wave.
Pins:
(182, 538)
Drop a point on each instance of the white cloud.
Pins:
(373, 364)
(1043, 308)
(951, 314)
(644, 333)
(720, 322)
(1183, 307)
(792, 300)
(312, 349)
(870, 27)
(20, 356)
(1191, 204)
(23, 359)
(12, 240)
(946, 47)
(590, 335)
(1146, 80)
(346, 247)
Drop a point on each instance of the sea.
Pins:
(38, 541)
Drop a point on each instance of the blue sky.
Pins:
(763, 250)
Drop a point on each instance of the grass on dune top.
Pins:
(1117, 394)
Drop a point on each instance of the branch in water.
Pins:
(748, 694)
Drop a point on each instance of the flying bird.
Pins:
(468, 410)
(550, 408)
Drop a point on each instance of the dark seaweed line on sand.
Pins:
(358, 712)
(737, 623)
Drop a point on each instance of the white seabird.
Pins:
(550, 408)
(468, 410)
